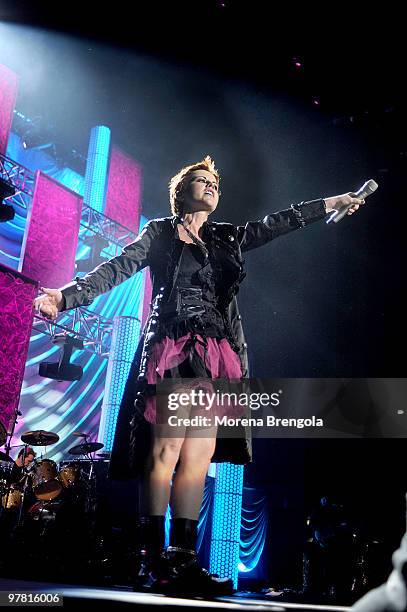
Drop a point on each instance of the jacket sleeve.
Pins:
(134, 257)
(257, 233)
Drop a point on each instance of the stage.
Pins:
(124, 597)
(93, 277)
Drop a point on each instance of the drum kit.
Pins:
(43, 481)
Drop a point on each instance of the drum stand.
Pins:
(90, 499)
(99, 558)
(87, 498)
(16, 536)
(7, 447)
(3, 504)
(25, 478)
(90, 495)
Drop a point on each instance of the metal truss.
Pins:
(103, 226)
(17, 175)
(94, 330)
(93, 221)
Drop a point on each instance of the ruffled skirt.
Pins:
(190, 357)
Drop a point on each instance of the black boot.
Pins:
(151, 547)
(183, 573)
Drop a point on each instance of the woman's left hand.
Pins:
(337, 202)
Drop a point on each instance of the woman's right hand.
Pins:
(50, 303)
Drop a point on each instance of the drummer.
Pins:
(24, 459)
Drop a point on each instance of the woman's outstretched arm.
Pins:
(109, 274)
(257, 233)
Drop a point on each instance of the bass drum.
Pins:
(44, 510)
(46, 485)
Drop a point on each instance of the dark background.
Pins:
(176, 81)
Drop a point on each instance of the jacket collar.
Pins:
(175, 219)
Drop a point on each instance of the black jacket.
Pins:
(155, 247)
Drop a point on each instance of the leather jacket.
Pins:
(157, 247)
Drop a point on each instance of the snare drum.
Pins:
(45, 481)
(13, 498)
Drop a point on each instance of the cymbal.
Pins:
(4, 457)
(3, 434)
(39, 437)
(85, 449)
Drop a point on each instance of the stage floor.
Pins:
(124, 597)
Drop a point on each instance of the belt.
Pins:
(188, 303)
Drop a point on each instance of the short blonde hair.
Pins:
(177, 183)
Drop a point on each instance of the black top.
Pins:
(16, 474)
(210, 323)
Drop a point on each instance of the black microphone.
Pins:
(362, 193)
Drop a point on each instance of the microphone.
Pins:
(362, 193)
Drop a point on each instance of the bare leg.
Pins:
(158, 471)
(188, 484)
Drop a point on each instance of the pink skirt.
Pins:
(216, 354)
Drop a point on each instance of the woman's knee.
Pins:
(198, 452)
(166, 452)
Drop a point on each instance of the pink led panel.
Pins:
(16, 304)
(123, 198)
(51, 235)
(8, 94)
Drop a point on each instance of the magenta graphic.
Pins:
(123, 198)
(8, 94)
(51, 235)
(16, 303)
